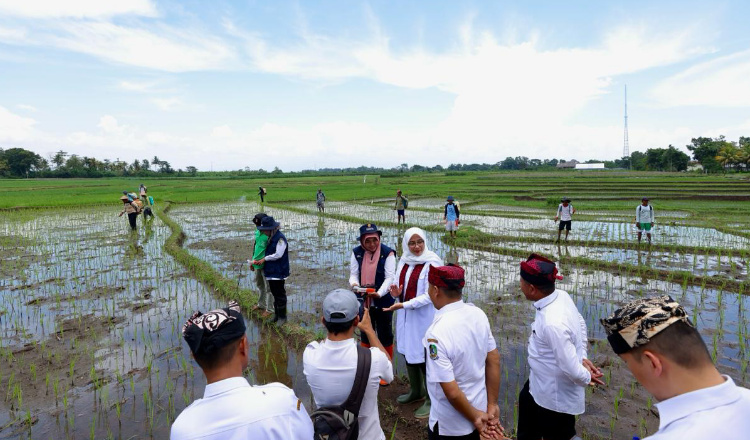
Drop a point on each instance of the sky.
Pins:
(228, 85)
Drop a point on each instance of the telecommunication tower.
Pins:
(626, 147)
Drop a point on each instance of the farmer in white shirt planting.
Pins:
(644, 219)
(230, 407)
(560, 371)
(666, 354)
(565, 213)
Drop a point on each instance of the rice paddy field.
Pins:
(91, 313)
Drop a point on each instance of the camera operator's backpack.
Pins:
(340, 422)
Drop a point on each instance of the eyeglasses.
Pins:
(415, 243)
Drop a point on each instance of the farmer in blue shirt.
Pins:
(450, 216)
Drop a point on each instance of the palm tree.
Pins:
(728, 156)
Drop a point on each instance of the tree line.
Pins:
(714, 154)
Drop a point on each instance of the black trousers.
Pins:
(132, 216)
(535, 422)
(279, 296)
(382, 322)
(435, 435)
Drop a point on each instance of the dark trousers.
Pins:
(132, 216)
(535, 422)
(382, 322)
(279, 296)
(435, 435)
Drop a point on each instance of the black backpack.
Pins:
(340, 422)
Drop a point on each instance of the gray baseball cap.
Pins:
(340, 305)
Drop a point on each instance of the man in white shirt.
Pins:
(565, 213)
(330, 365)
(463, 364)
(666, 354)
(231, 408)
(560, 371)
(644, 219)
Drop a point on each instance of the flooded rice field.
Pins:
(90, 313)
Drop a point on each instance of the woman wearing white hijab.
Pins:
(414, 312)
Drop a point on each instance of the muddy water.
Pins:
(621, 232)
(86, 268)
(321, 246)
(90, 330)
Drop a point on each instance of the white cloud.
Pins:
(222, 131)
(167, 104)
(161, 48)
(720, 82)
(27, 107)
(108, 124)
(135, 86)
(14, 127)
(76, 8)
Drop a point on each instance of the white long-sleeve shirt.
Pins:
(390, 274)
(280, 249)
(644, 214)
(717, 412)
(232, 409)
(557, 347)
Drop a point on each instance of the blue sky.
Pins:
(308, 84)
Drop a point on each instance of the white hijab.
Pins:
(427, 255)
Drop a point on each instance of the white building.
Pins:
(589, 166)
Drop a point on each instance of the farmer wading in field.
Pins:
(265, 299)
(565, 213)
(644, 219)
(132, 209)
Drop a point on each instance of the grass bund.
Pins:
(91, 313)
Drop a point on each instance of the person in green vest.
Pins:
(265, 299)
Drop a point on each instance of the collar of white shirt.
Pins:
(547, 300)
(449, 307)
(338, 344)
(222, 386)
(682, 406)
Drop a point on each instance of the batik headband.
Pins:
(539, 271)
(638, 321)
(450, 276)
(208, 332)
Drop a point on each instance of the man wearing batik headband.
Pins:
(560, 372)
(667, 355)
(463, 364)
(230, 407)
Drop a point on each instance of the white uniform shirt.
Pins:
(457, 342)
(330, 367)
(390, 271)
(557, 347)
(414, 319)
(565, 212)
(231, 409)
(644, 214)
(719, 412)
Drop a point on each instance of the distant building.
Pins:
(570, 164)
(589, 166)
(694, 165)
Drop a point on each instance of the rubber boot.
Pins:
(423, 411)
(280, 318)
(416, 386)
(389, 350)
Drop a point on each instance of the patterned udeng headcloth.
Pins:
(210, 331)
(539, 271)
(638, 321)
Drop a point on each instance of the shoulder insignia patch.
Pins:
(433, 352)
(432, 340)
